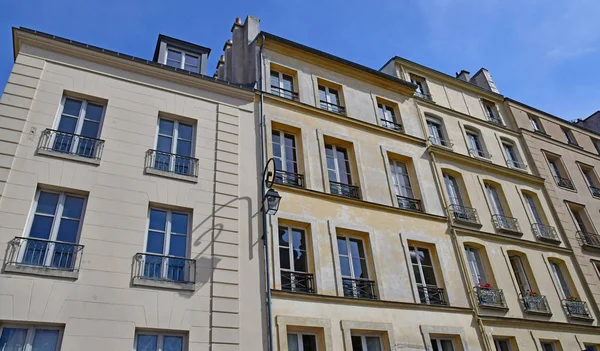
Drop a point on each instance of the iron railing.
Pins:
(480, 154)
(408, 203)
(564, 182)
(297, 281)
(44, 253)
(490, 297)
(595, 191)
(171, 163)
(284, 93)
(516, 164)
(423, 95)
(345, 190)
(432, 295)
(71, 144)
(589, 239)
(535, 303)
(392, 125)
(502, 222)
(463, 214)
(289, 178)
(543, 231)
(332, 107)
(576, 309)
(164, 268)
(359, 288)
(494, 119)
(440, 141)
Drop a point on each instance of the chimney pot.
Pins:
(238, 21)
(464, 75)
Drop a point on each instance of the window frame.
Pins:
(479, 264)
(350, 173)
(363, 339)
(347, 239)
(280, 86)
(552, 344)
(491, 108)
(457, 189)
(31, 330)
(160, 338)
(183, 53)
(536, 124)
(421, 83)
(495, 198)
(438, 123)
(474, 136)
(282, 149)
(394, 164)
(80, 119)
(561, 279)
(518, 267)
(384, 109)
(327, 90)
(532, 205)
(175, 136)
(568, 133)
(299, 335)
(167, 233)
(292, 268)
(511, 153)
(506, 340)
(438, 342)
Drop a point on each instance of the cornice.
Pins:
(547, 138)
(487, 319)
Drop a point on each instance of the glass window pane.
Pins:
(417, 273)
(73, 207)
(47, 203)
(429, 275)
(164, 144)
(184, 148)
(284, 258)
(147, 343)
(67, 230)
(309, 342)
(191, 60)
(424, 257)
(72, 107)
(284, 239)
(90, 129)
(156, 242)
(179, 223)
(158, 220)
(178, 246)
(345, 266)
(173, 343)
(300, 261)
(413, 255)
(293, 344)
(447, 345)
(94, 112)
(174, 55)
(342, 248)
(373, 343)
(45, 340)
(13, 339)
(360, 268)
(41, 227)
(185, 131)
(299, 241)
(356, 248)
(165, 126)
(357, 343)
(67, 124)
(434, 344)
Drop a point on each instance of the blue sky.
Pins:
(542, 52)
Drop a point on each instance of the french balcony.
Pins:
(164, 271)
(441, 142)
(545, 232)
(71, 146)
(463, 214)
(44, 257)
(432, 295)
(392, 126)
(171, 165)
(589, 240)
(506, 224)
(297, 281)
(577, 309)
(480, 154)
(535, 304)
(284, 93)
(425, 96)
(564, 183)
(332, 107)
(345, 190)
(595, 191)
(289, 178)
(359, 288)
(514, 164)
(407, 203)
(494, 119)
(490, 297)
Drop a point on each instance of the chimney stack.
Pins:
(464, 75)
(483, 79)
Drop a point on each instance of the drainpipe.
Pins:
(461, 260)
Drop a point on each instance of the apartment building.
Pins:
(125, 221)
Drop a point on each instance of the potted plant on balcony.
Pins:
(485, 286)
(572, 299)
(531, 293)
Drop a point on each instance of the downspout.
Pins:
(461, 260)
(266, 221)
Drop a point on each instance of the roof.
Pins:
(184, 45)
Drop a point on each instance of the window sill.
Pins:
(567, 188)
(494, 307)
(162, 284)
(510, 231)
(77, 158)
(538, 313)
(591, 248)
(466, 222)
(156, 172)
(43, 271)
(549, 240)
(581, 318)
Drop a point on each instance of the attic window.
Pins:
(183, 60)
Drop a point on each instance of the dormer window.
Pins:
(181, 59)
(422, 91)
(491, 112)
(181, 54)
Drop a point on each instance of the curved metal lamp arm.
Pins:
(268, 176)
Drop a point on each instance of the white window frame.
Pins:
(456, 198)
(495, 199)
(531, 203)
(518, 267)
(490, 107)
(80, 119)
(568, 133)
(477, 264)
(175, 140)
(510, 152)
(474, 138)
(350, 258)
(589, 175)
(280, 82)
(328, 98)
(438, 342)
(420, 82)
(536, 124)
(160, 339)
(423, 284)
(291, 251)
(561, 279)
(183, 56)
(363, 340)
(497, 342)
(283, 154)
(31, 330)
(301, 341)
(439, 136)
(387, 111)
(398, 187)
(336, 162)
(551, 343)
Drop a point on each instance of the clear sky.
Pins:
(545, 53)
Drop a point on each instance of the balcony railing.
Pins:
(494, 119)
(564, 182)
(506, 223)
(289, 178)
(332, 107)
(71, 144)
(284, 93)
(516, 164)
(171, 163)
(480, 154)
(535, 303)
(544, 232)
(408, 203)
(345, 190)
(44, 253)
(490, 297)
(392, 125)
(423, 95)
(463, 214)
(440, 141)
(576, 309)
(595, 191)
(359, 288)
(297, 281)
(589, 239)
(432, 295)
(164, 268)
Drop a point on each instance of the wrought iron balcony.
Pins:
(284, 93)
(516, 164)
(494, 119)
(505, 223)
(289, 178)
(490, 297)
(332, 107)
(595, 191)
(57, 255)
(297, 281)
(576, 309)
(71, 144)
(408, 203)
(535, 303)
(432, 295)
(359, 288)
(589, 239)
(392, 125)
(441, 142)
(564, 182)
(480, 154)
(345, 190)
(463, 214)
(171, 163)
(164, 268)
(545, 232)
(423, 95)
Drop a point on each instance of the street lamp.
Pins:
(272, 198)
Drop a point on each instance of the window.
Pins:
(453, 189)
(491, 112)
(439, 344)
(285, 153)
(532, 207)
(422, 91)
(302, 342)
(183, 60)
(366, 343)
(548, 346)
(159, 342)
(536, 124)
(582, 221)
(78, 128)
(330, 99)
(539, 223)
(520, 274)
(422, 264)
(387, 116)
(339, 171)
(436, 132)
(569, 136)
(403, 187)
(587, 347)
(512, 157)
(475, 144)
(559, 173)
(590, 178)
(168, 234)
(53, 234)
(476, 266)
(19, 337)
(596, 145)
(174, 148)
(502, 344)
(354, 268)
(561, 278)
(283, 85)
(293, 260)
(495, 200)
